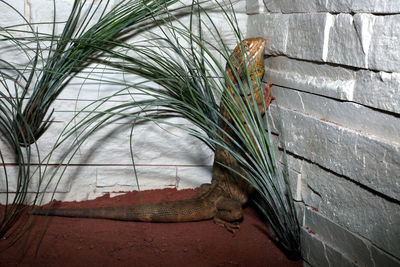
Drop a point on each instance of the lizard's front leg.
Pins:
(229, 211)
(267, 98)
(267, 94)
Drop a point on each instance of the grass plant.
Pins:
(186, 79)
(53, 59)
(88, 26)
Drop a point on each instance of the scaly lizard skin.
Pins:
(222, 200)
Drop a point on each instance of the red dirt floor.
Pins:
(97, 242)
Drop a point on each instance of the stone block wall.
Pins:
(335, 66)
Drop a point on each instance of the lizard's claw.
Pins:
(267, 94)
(231, 227)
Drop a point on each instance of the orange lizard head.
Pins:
(248, 57)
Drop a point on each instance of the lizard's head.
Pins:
(249, 51)
(256, 47)
(248, 57)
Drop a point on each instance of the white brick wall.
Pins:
(335, 70)
(165, 156)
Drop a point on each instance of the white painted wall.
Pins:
(335, 66)
(165, 157)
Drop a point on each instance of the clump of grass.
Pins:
(70, 52)
(189, 81)
(53, 60)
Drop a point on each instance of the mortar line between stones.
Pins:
(362, 186)
(387, 112)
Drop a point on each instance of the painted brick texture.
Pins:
(165, 156)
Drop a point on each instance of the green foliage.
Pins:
(29, 91)
(70, 52)
(185, 77)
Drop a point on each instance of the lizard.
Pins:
(223, 199)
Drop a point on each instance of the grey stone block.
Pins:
(346, 114)
(353, 208)
(294, 180)
(300, 208)
(294, 6)
(385, 45)
(366, 159)
(254, 7)
(238, 6)
(12, 14)
(378, 89)
(312, 249)
(294, 166)
(375, 89)
(272, 27)
(321, 79)
(362, 40)
(352, 246)
(344, 6)
(373, 6)
(318, 253)
(340, 5)
(295, 185)
(381, 258)
(349, 40)
(336, 258)
(307, 34)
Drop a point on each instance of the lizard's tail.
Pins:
(174, 211)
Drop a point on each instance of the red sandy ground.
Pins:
(96, 242)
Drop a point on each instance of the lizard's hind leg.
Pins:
(229, 212)
(203, 188)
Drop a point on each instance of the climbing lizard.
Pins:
(222, 200)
